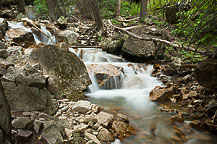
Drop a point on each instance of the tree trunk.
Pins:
(96, 14)
(21, 5)
(53, 9)
(118, 8)
(144, 10)
(5, 117)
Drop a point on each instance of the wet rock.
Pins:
(51, 133)
(108, 76)
(161, 93)
(105, 135)
(68, 36)
(122, 129)
(82, 106)
(21, 122)
(140, 50)
(206, 74)
(67, 72)
(177, 118)
(3, 53)
(92, 137)
(104, 118)
(3, 27)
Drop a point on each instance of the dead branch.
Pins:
(35, 26)
(80, 46)
(175, 45)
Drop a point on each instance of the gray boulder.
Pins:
(141, 50)
(68, 74)
(25, 98)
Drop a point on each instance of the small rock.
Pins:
(68, 133)
(37, 125)
(104, 118)
(161, 93)
(80, 127)
(24, 133)
(51, 133)
(82, 106)
(177, 118)
(192, 93)
(3, 53)
(92, 137)
(105, 135)
(2, 45)
(21, 122)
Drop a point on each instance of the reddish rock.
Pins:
(161, 93)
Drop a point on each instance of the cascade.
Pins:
(130, 95)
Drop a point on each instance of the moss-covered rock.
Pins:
(68, 76)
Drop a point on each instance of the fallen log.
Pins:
(175, 45)
(85, 46)
(31, 22)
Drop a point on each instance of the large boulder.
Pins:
(3, 27)
(5, 120)
(68, 76)
(206, 74)
(140, 50)
(25, 90)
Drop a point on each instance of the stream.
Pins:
(129, 94)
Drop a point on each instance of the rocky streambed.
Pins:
(42, 84)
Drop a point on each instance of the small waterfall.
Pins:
(41, 38)
(130, 95)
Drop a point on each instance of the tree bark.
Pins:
(53, 9)
(96, 14)
(21, 5)
(5, 117)
(118, 8)
(144, 10)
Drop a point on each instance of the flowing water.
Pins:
(132, 99)
(128, 93)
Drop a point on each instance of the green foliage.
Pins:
(41, 7)
(108, 8)
(129, 8)
(198, 23)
